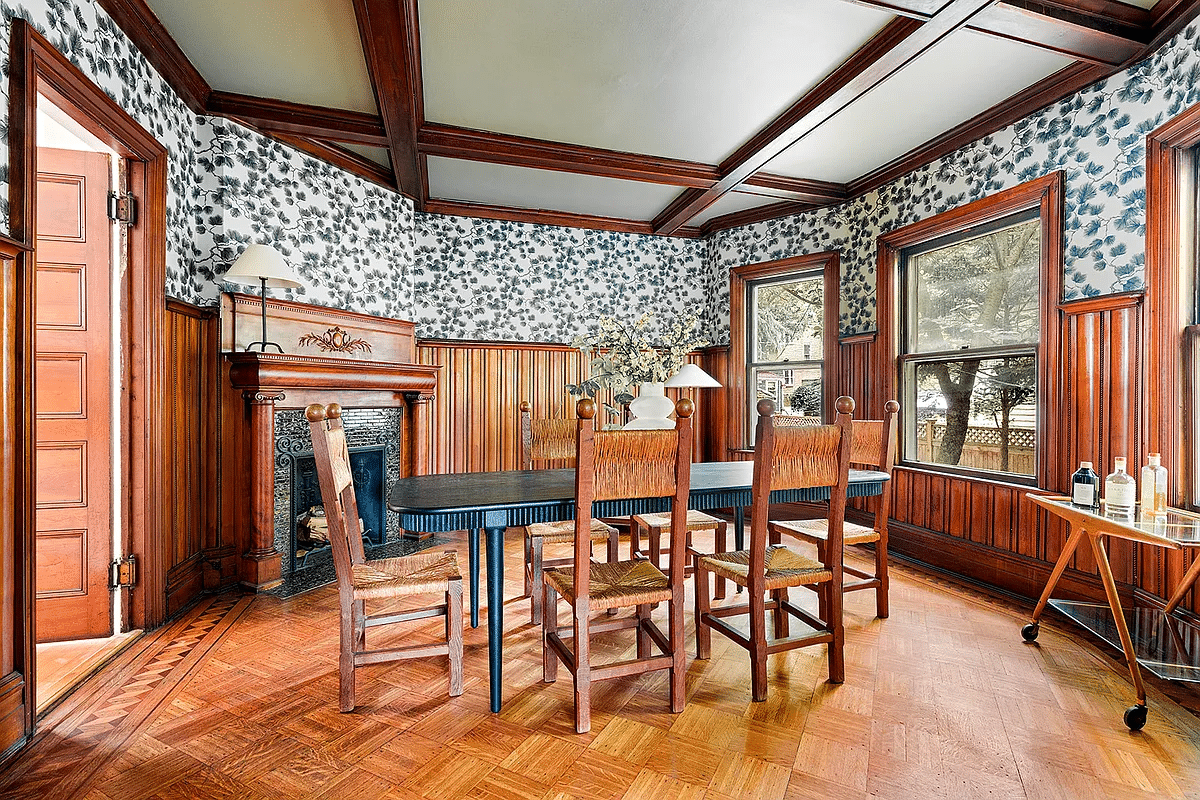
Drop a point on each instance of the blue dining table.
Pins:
(493, 501)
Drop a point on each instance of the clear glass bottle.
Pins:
(1154, 485)
(1085, 487)
(1120, 491)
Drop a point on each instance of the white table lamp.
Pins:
(691, 375)
(263, 264)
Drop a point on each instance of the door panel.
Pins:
(73, 396)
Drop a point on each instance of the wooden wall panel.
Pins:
(192, 521)
(16, 573)
(474, 416)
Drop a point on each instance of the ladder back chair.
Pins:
(872, 444)
(542, 440)
(616, 465)
(360, 580)
(784, 458)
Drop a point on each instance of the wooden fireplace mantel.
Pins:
(258, 384)
(319, 379)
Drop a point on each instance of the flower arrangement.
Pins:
(624, 354)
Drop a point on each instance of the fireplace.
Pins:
(268, 482)
(374, 437)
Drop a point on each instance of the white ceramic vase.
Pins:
(651, 409)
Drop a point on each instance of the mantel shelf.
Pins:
(251, 370)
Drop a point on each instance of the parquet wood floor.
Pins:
(943, 700)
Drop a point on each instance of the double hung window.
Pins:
(970, 328)
(786, 327)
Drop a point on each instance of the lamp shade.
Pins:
(259, 262)
(692, 375)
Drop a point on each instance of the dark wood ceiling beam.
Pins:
(800, 190)
(388, 29)
(298, 119)
(140, 24)
(1097, 31)
(340, 157)
(896, 46)
(519, 151)
(547, 217)
(688, 203)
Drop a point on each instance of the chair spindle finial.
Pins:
(315, 412)
(333, 410)
(525, 408)
(844, 405)
(891, 407)
(766, 408)
(586, 408)
(685, 408)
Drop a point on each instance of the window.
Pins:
(785, 316)
(970, 334)
(783, 320)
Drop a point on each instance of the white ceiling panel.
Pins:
(500, 184)
(965, 74)
(731, 202)
(304, 51)
(377, 154)
(689, 80)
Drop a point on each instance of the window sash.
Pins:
(753, 366)
(909, 455)
(908, 277)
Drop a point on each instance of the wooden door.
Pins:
(73, 396)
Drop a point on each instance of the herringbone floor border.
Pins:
(80, 741)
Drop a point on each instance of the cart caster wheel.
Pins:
(1135, 718)
(1029, 632)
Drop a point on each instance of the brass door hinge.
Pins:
(122, 572)
(122, 208)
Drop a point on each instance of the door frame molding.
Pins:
(35, 66)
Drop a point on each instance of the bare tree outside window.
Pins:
(971, 365)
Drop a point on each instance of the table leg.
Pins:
(495, 582)
(1060, 566)
(1188, 579)
(1114, 604)
(473, 567)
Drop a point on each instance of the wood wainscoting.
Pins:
(194, 548)
(475, 425)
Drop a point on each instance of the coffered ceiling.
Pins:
(673, 117)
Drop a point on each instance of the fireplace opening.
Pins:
(368, 467)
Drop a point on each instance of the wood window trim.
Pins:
(1044, 194)
(829, 263)
(1167, 422)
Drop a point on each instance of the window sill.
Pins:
(991, 478)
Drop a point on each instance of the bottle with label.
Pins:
(1120, 491)
(1085, 487)
(1154, 486)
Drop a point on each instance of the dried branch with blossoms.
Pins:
(623, 355)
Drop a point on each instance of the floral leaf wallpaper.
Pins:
(351, 239)
(491, 279)
(364, 248)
